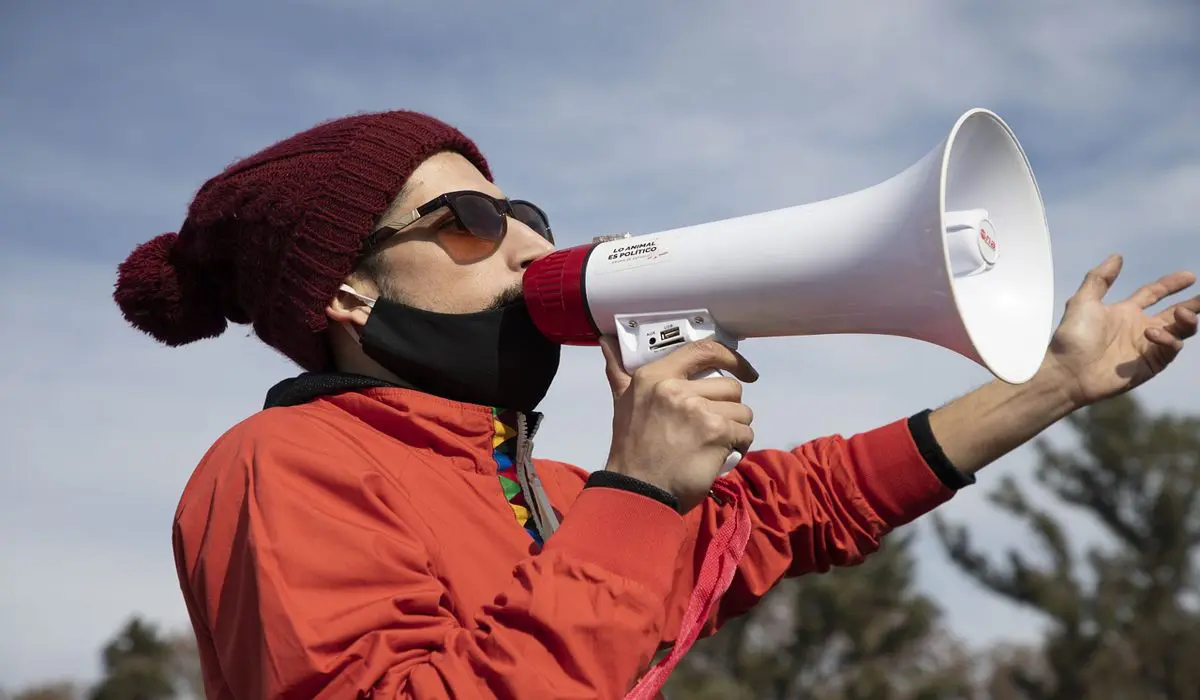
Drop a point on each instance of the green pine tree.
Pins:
(136, 665)
(1124, 618)
(57, 690)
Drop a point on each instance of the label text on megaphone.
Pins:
(625, 256)
(632, 251)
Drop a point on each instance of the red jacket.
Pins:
(356, 540)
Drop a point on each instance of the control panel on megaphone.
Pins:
(953, 251)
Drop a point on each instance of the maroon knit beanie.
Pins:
(270, 239)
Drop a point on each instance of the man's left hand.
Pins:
(1100, 350)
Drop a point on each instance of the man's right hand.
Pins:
(672, 431)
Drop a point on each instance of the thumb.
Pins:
(618, 378)
(1099, 279)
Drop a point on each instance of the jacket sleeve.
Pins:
(309, 583)
(828, 502)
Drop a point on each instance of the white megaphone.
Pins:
(953, 251)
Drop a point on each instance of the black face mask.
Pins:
(495, 358)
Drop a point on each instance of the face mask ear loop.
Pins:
(346, 325)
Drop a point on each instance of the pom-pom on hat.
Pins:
(268, 241)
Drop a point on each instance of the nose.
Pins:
(528, 245)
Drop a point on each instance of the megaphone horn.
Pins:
(953, 251)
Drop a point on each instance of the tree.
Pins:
(1124, 618)
(139, 664)
(136, 665)
(855, 633)
(184, 665)
(58, 690)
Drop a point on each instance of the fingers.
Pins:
(728, 423)
(1164, 339)
(731, 411)
(727, 432)
(695, 357)
(741, 437)
(1100, 279)
(717, 388)
(1150, 294)
(614, 369)
(1181, 326)
(1183, 321)
(1191, 306)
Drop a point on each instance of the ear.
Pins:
(347, 308)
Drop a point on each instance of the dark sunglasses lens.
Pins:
(533, 218)
(479, 216)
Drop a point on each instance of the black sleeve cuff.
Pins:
(937, 460)
(613, 480)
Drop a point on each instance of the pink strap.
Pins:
(716, 574)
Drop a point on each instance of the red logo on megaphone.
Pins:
(987, 239)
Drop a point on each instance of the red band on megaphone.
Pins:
(555, 296)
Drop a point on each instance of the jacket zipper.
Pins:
(535, 494)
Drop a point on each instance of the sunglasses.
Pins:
(482, 216)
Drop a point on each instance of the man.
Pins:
(381, 530)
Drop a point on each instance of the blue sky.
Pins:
(618, 116)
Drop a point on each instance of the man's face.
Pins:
(434, 264)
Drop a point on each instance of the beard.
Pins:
(512, 295)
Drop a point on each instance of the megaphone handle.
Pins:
(735, 456)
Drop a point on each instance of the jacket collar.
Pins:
(451, 428)
(312, 385)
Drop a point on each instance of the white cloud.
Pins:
(617, 119)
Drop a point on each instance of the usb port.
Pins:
(666, 338)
